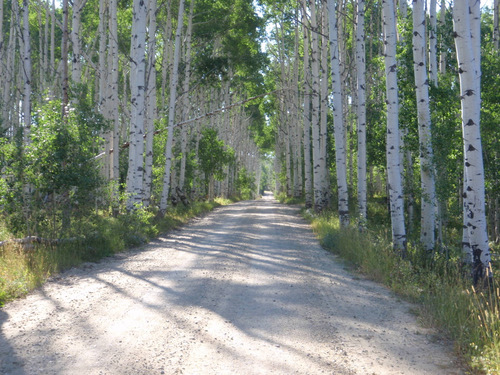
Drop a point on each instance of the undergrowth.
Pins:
(447, 300)
(94, 237)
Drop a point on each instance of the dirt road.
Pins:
(244, 290)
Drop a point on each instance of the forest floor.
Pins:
(246, 289)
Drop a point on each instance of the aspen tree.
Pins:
(308, 183)
(297, 163)
(186, 96)
(135, 175)
(324, 108)
(53, 68)
(26, 64)
(433, 61)
(102, 79)
(442, 55)
(64, 60)
(113, 99)
(171, 110)
(76, 68)
(338, 118)
(9, 73)
(315, 119)
(150, 103)
(361, 109)
(428, 200)
(467, 41)
(394, 180)
(496, 27)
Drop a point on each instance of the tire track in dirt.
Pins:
(244, 290)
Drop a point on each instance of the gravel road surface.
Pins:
(244, 290)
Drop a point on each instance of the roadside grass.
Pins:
(23, 269)
(446, 299)
(283, 198)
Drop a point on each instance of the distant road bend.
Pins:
(244, 290)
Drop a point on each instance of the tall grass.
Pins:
(23, 269)
(445, 298)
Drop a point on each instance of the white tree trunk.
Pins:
(102, 79)
(338, 119)
(53, 68)
(171, 110)
(135, 189)
(496, 27)
(394, 183)
(324, 108)
(315, 120)
(186, 96)
(26, 63)
(428, 200)
(113, 100)
(442, 55)
(467, 40)
(433, 62)
(308, 185)
(361, 110)
(76, 68)
(150, 104)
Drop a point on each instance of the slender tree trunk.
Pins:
(171, 110)
(186, 97)
(150, 104)
(76, 72)
(135, 189)
(308, 183)
(113, 91)
(64, 60)
(395, 187)
(433, 62)
(26, 64)
(496, 27)
(467, 39)
(102, 80)
(361, 111)
(53, 68)
(315, 120)
(338, 119)
(428, 200)
(324, 96)
(442, 55)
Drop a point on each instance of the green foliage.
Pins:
(213, 155)
(55, 175)
(245, 184)
(96, 236)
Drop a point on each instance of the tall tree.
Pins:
(308, 182)
(171, 110)
(467, 41)
(394, 180)
(361, 109)
(135, 175)
(26, 68)
(338, 118)
(428, 200)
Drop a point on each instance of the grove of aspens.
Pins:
(121, 119)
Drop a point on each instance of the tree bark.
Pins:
(135, 189)
(467, 40)
(428, 199)
(395, 188)
(361, 110)
(171, 110)
(338, 119)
